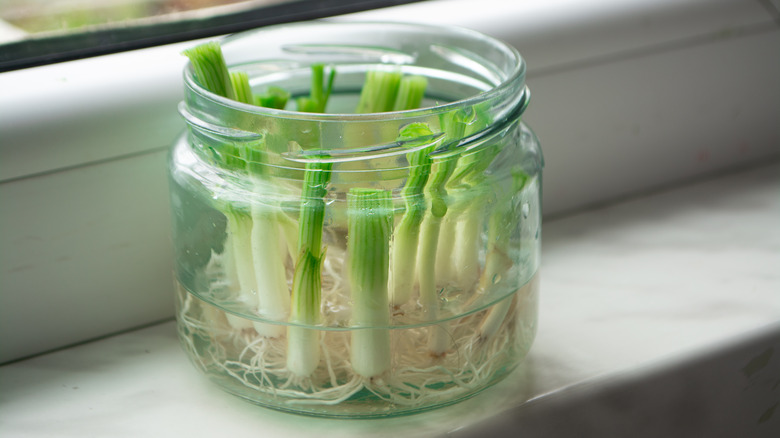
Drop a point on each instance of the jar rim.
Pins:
(513, 78)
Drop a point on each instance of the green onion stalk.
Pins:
(252, 241)
(277, 98)
(458, 252)
(370, 221)
(385, 91)
(211, 72)
(418, 137)
(454, 126)
(303, 349)
(497, 260)
(210, 68)
(469, 228)
(463, 225)
(411, 91)
(273, 295)
(391, 91)
(237, 252)
(379, 91)
(274, 97)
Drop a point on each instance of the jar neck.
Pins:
(471, 77)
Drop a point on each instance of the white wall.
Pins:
(627, 96)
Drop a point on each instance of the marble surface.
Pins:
(651, 293)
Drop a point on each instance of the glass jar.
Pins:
(333, 264)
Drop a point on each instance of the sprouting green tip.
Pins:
(454, 126)
(317, 91)
(275, 97)
(379, 92)
(410, 93)
(307, 105)
(415, 135)
(320, 90)
(472, 165)
(240, 82)
(210, 68)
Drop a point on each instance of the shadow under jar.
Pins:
(328, 265)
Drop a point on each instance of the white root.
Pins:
(416, 379)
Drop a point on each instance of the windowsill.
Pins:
(628, 96)
(646, 286)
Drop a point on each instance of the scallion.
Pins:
(379, 91)
(454, 126)
(419, 138)
(370, 220)
(254, 237)
(303, 350)
(497, 260)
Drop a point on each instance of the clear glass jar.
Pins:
(283, 299)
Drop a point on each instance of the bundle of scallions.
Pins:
(392, 249)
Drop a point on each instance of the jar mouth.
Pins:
(470, 76)
(501, 75)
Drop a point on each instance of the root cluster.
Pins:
(416, 378)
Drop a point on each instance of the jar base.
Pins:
(253, 367)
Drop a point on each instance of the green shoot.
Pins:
(211, 73)
(239, 81)
(454, 127)
(320, 92)
(252, 238)
(274, 97)
(405, 238)
(410, 93)
(303, 351)
(469, 207)
(379, 92)
(370, 220)
(458, 253)
(273, 296)
(210, 68)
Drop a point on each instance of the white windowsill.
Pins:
(627, 96)
(638, 289)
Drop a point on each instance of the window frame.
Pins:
(48, 49)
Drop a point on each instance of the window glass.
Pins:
(35, 32)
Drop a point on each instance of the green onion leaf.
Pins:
(210, 69)
(379, 92)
